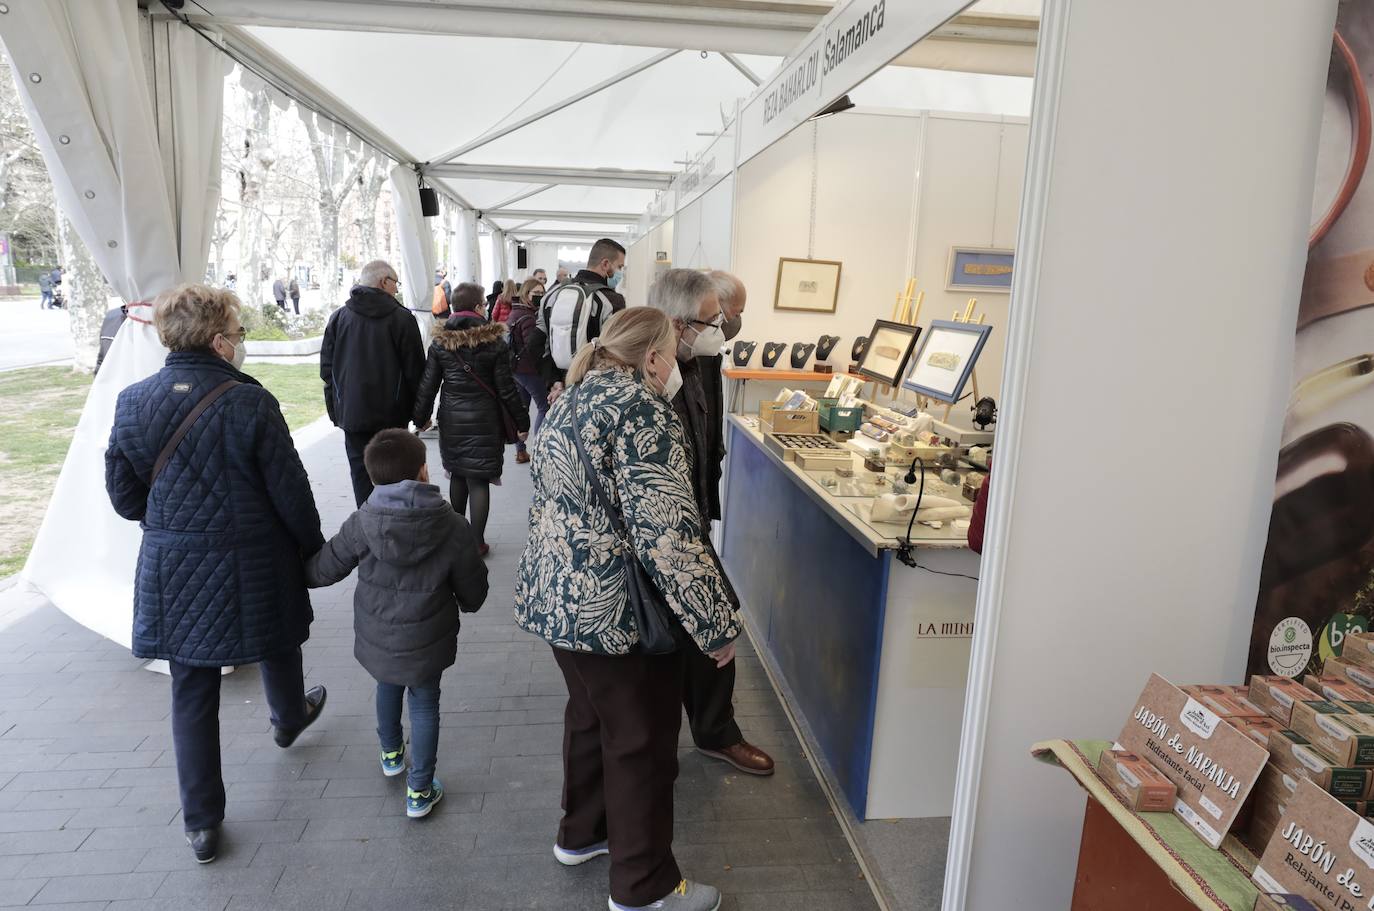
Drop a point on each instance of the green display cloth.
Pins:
(1212, 880)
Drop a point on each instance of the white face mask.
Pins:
(671, 385)
(708, 341)
(240, 352)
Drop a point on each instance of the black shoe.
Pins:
(314, 704)
(205, 844)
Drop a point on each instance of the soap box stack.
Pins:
(1326, 735)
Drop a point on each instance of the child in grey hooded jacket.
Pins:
(418, 566)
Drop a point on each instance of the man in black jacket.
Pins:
(693, 302)
(605, 268)
(371, 361)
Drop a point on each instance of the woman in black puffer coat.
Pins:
(469, 358)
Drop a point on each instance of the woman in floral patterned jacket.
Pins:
(624, 707)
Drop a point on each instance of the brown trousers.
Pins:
(620, 733)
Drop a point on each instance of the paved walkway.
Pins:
(88, 802)
(30, 335)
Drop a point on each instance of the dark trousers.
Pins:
(620, 734)
(708, 694)
(354, 444)
(424, 728)
(532, 389)
(295, 305)
(195, 729)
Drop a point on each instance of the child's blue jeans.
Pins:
(424, 728)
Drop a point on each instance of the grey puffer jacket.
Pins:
(417, 566)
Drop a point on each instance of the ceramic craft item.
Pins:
(743, 352)
(771, 352)
(801, 353)
(826, 345)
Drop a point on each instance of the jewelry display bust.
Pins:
(860, 346)
(801, 353)
(743, 352)
(771, 352)
(826, 345)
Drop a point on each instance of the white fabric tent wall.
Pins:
(141, 190)
(417, 246)
(498, 256)
(469, 258)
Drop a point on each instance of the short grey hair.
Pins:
(374, 272)
(728, 286)
(678, 293)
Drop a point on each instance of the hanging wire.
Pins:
(539, 88)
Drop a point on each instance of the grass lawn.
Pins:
(39, 408)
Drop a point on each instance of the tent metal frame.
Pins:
(587, 177)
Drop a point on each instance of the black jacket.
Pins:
(471, 428)
(417, 567)
(527, 343)
(692, 411)
(108, 330)
(713, 385)
(371, 360)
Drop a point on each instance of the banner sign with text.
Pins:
(853, 42)
(1322, 851)
(1213, 764)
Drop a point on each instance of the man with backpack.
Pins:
(573, 312)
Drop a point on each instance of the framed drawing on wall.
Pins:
(889, 349)
(809, 285)
(943, 365)
(980, 269)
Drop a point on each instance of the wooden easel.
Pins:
(907, 310)
(967, 317)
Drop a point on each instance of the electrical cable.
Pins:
(905, 551)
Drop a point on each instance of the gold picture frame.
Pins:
(807, 285)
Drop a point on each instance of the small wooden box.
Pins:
(835, 418)
(773, 419)
(787, 445)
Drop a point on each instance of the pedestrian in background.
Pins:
(371, 359)
(527, 355)
(294, 289)
(279, 293)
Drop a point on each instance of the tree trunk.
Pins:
(338, 168)
(84, 289)
(369, 195)
(255, 160)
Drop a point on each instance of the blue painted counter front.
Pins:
(817, 597)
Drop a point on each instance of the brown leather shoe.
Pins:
(744, 756)
(522, 457)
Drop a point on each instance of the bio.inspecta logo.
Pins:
(1290, 647)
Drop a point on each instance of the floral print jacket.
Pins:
(571, 585)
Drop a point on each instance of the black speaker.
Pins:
(522, 258)
(429, 202)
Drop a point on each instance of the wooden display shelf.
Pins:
(783, 376)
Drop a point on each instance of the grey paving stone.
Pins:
(19, 891)
(332, 807)
(43, 842)
(215, 881)
(113, 886)
(34, 820)
(85, 863)
(317, 900)
(124, 816)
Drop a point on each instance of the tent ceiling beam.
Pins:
(505, 203)
(586, 177)
(740, 65)
(553, 235)
(537, 116)
(613, 218)
(770, 27)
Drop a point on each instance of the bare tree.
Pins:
(255, 159)
(27, 206)
(339, 162)
(369, 193)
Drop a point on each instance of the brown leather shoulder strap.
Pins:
(184, 428)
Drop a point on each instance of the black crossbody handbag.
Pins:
(659, 630)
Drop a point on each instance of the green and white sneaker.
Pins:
(394, 763)
(419, 803)
(688, 896)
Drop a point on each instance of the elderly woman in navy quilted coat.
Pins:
(201, 456)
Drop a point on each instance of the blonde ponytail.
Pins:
(625, 341)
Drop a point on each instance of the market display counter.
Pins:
(1145, 861)
(873, 654)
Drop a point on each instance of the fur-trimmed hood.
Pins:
(467, 332)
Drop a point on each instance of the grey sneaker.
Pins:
(688, 896)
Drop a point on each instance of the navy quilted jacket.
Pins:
(226, 527)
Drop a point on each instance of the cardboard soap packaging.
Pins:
(1274, 902)
(1349, 671)
(1338, 729)
(1143, 787)
(1292, 754)
(1337, 689)
(1276, 696)
(1226, 701)
(1358, 649)
(1257, 729)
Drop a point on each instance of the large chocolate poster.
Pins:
(1317, 581)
